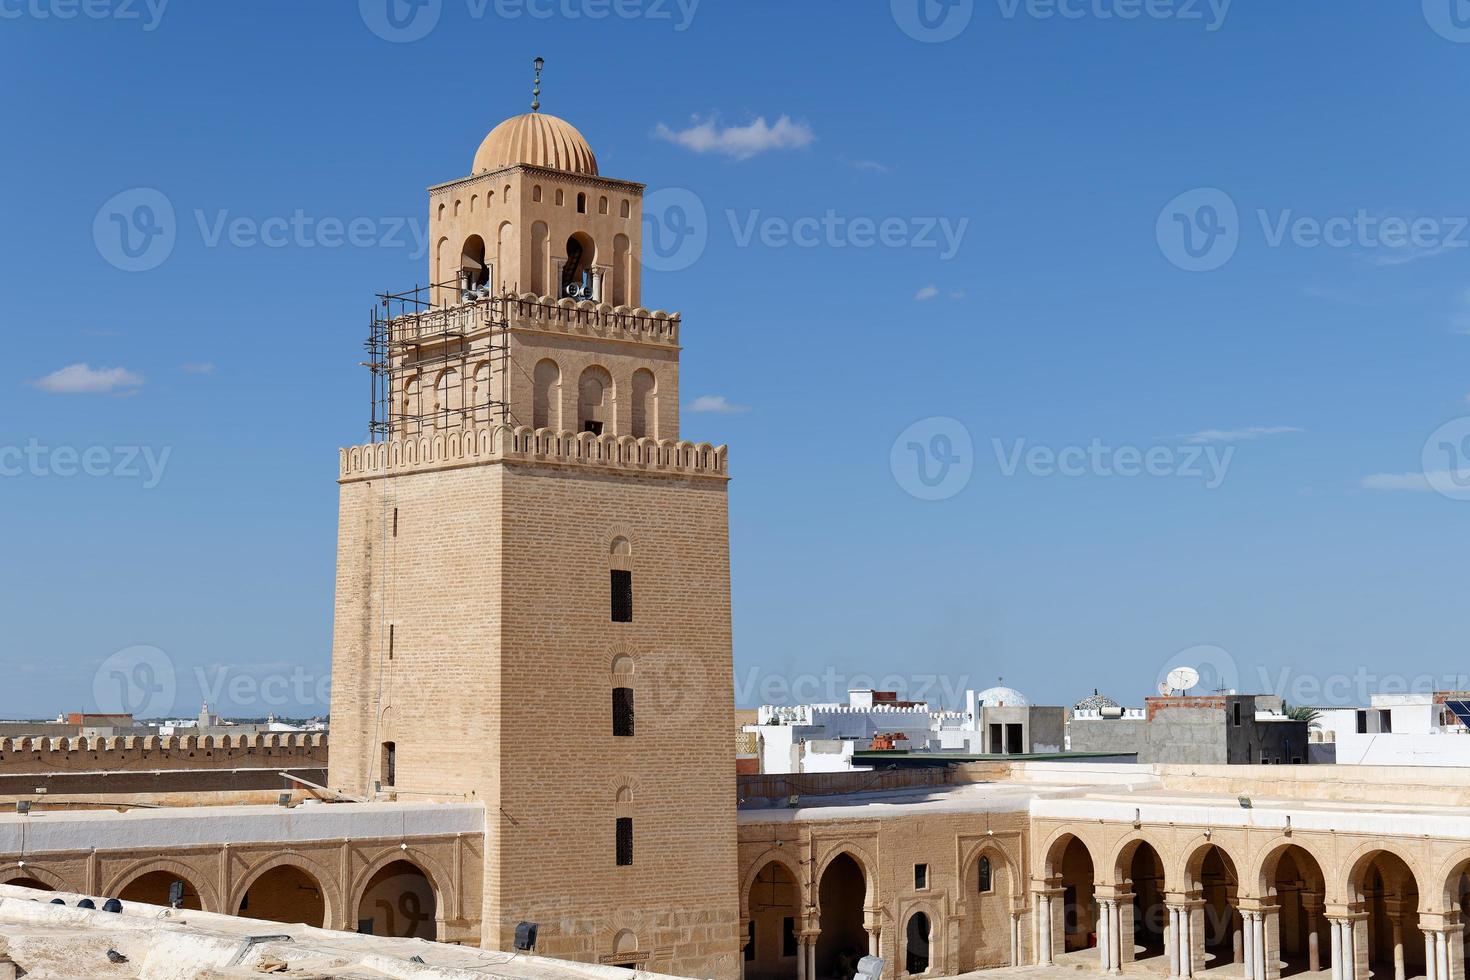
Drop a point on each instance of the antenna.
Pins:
(540, 63)
(1164, 689)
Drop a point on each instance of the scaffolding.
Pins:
(424, 359)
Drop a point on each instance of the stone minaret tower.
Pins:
(533, 589)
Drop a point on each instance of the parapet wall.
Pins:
(505, 443)
(527, 311)
(124, 753)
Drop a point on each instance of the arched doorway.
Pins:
(771, 947)
(157, 888)
(1295, 878)
(399, 901)
(1214, 881)
(843, 940)
(916, 945)
(285, 894)
(1141, 867)
(1073, 873)
(1386, 889)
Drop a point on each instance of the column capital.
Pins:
(1261, 906)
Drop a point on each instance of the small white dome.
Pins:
(996, 697)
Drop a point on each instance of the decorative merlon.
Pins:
(495, 443)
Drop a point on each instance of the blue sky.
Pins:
(1307, 158)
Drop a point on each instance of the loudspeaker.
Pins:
(869, 968)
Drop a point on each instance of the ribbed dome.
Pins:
(1095, 702)
(995, 697)
(538, 140)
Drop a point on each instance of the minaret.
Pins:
(533, 598)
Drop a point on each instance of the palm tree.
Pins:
(1302, 713)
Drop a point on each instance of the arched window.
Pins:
(625, 209)
(620, 563)
(581, 203)
(986, 884)
(473, 270)
(503, 254)
(457, 205)
(602, 205)
(622, 712)
(645, 404)
(560, 197)
(474, 199)
(594, 400)
(536, 193)
(581, 253)
(546, 398)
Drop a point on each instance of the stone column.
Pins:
(801, 958)
(1269, 951)
(1349, 945)
(1312, 905)
(1396, 921)
(1442, 955)
(1105, 935)
(1121, 940)
(1248, 945)
(1455, 938)
(1044, 913)
(1335, 926)
(1431, 944)
(873, 924)
(811, 958)
(1015, 939)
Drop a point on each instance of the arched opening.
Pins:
(1295, 878)
(581, 253)
(1073, 873)
(645, 404)
(1386, 889)
(398, 901)
(1142, 868)
(285, 894)
(503, 254)
(546, 396)
(473, 271)
(1214, 881)
(594, 401)
(843, 940)
(581, 203)
(771, 946)
(916, 945)
(159, 888)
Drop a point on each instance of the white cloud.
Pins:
(198, 367)
(926, 294)
(83, 379)
(1403, 481)
(740, 142)
(717, 404)
(1239, 435)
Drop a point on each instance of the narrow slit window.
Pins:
(625, 841)
(622, 707)
(622, 596)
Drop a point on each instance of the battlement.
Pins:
(505, 443)
(123, 752)
(547, 314)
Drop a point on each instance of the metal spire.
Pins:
(536, 91)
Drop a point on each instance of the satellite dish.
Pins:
(1164, 688)
(1182, 679)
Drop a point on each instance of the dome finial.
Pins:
(536, 90)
